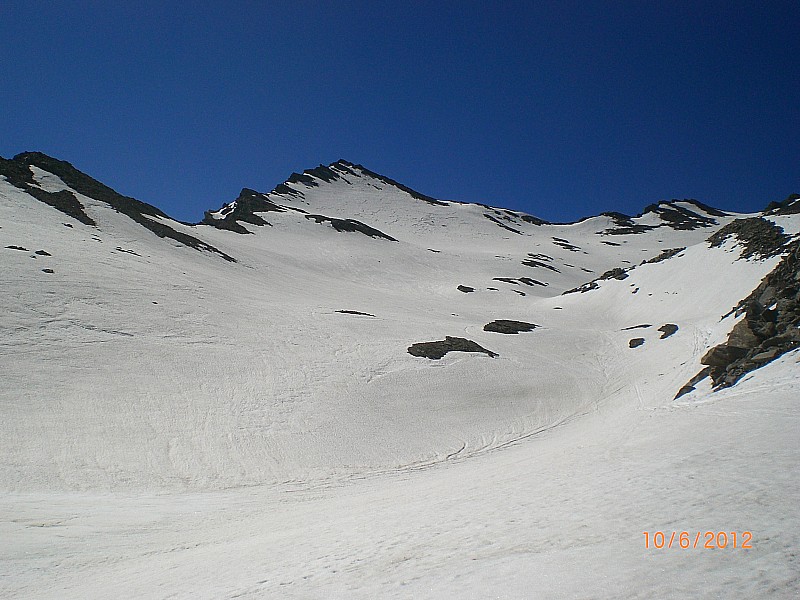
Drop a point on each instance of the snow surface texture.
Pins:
(176, 424)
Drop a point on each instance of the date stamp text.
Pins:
(708, 540)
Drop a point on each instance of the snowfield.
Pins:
(176, 424)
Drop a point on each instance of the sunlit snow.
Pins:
(179, 426)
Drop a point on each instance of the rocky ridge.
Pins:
(17, 171)
(770, 326)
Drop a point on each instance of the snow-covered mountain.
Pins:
(398, 395)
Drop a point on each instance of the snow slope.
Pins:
(187, 413)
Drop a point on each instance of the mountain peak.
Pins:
(341, 170)
(295, 188)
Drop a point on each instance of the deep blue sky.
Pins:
(562, 109)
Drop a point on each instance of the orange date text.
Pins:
(707, 540)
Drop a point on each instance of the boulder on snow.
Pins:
(436, 350)
(667, 330)
(509, 327)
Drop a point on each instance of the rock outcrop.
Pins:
(509, 327)
(759, 237)
(769, 329)
(436, 350)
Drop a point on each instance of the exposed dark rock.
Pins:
(566, 244)
(618, 217)
(520, 292)
(672, 215)
(666, 254)
(324, 173)
(617, 273)
(141, 212)
(532, 282)
(48, 271)
(710, 210)
(436, 350)
(789, 206)
(689, 387)
(243, 209)
(635, 342)
(722, 355)
(520, 280)
(760, 238)
(528, 262)
(610, 243)
(341, 167)
(624, 225)
(509, 327)
(43, 253)
(643, 326)
(503, 225)
(667, 330)
(465, 288)
(632, 229)
(351, 225)
(284, 190)
(586, 287)
(17, 248)
(120, 249)
(306, 180)
(354, 312)
(769, 329)
(88, 186)
(767, 355)
(679, 217)
(741, 336)
(413, 193)
(19, 174)
(65, 201)
(531, 219)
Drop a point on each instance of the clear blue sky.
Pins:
(562, 109)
